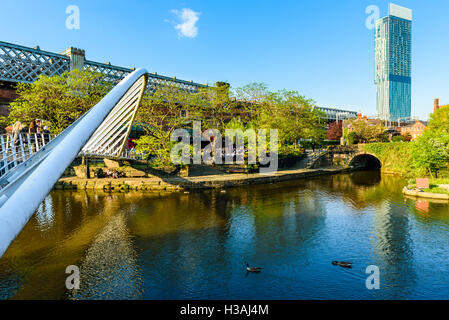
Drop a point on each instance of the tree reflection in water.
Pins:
(175, 246)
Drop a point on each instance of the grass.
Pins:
(433, 184)
(432, 181)
(435, 189)
(439, 181)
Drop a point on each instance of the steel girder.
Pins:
(23, 64)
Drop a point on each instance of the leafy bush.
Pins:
(431, 151)
(327, 143)
(398, 139)
(290, 151)
(352, 138)
(58, 100)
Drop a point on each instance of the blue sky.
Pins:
(321, 48)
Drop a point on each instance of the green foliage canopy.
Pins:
(161, 112)
(368, 132)
(431, 150)
(58, 100)
(291, 113)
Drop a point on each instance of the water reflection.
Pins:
(365, 178)
(109, 270)
(393, 246)
(175, 246)
(39, 256)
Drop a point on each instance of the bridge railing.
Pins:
(128, 154)
(17, 148)
(134, 155)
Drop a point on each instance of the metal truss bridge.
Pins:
(333, 114)
(31, 164)
(24, 64)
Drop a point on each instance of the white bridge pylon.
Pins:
(104, 130)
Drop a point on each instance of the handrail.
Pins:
(15, 150)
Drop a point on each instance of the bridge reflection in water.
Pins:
(193, 245)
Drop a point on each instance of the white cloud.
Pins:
(187, 27)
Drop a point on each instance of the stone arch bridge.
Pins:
(345, 156)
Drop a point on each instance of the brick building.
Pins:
(7, 95)
(437, 106)
(413, 130)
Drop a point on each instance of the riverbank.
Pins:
(423, 194)
(176, 183)
(437, 189)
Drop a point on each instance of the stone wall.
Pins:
(175, 184)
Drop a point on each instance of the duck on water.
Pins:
(344, 264)
(252, 269)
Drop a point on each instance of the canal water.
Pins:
(194, 246)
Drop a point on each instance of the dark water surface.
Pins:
(194, 246)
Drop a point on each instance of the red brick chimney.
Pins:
(436, 105)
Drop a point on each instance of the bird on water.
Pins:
(252, 269)
(344, 264)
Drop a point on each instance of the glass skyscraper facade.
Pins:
(393, 46)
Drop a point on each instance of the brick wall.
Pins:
(6, 96)
(4, 109)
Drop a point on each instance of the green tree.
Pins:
(292, 114)
(352, 138)
(216, 107)
(440, 120)
(163, 111)
(430, 152)
(58, 100)
(398, 139)
(254, 94)
(367, 132)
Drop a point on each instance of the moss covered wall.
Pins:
(395, 156)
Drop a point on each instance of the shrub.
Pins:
(352, 138)
(398, 139)
(431, 151)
